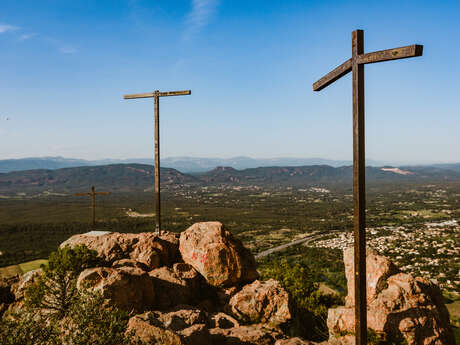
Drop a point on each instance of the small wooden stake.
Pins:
(93, 202)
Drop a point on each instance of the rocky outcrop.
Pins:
(176, 285)
(261, 302)
(400, 307)
(186, 290)
(128, 288)
(148, 248)
(217, 255)
(183, 325)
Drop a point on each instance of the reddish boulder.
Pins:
(217, 255)
(176, 285)
(381, 268)
(400, 307)
(261, 302)
(128, 288)
(151, 249)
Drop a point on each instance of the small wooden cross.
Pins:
(93, 202)
(156, 96)
(356, 65)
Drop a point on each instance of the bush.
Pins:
(56, 312)
(56, 289)
(308, 303)
(27, 328)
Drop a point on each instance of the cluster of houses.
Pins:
(429, 250)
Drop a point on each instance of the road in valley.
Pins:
(305, 239)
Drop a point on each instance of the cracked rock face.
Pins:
(399, 306)
(128, 288)
(177, 285)
(147, 248)
(261, 302)
(217, 255)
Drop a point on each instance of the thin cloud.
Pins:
(200, 15)
(26, 37)
(6, 28)
(67, 50)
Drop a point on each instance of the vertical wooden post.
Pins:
(157, 161)
(93, 206)
(359, 186)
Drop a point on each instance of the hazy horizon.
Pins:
(368, 159)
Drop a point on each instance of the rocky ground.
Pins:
(201, 287)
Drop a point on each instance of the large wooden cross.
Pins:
(356, 65)
(156, 96)
(93, 202)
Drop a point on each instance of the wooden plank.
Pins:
(82, 194)
(175, 93)
(359, 187)
(139, 95)
(332, 76)
(157, 164)
(391, 54)
(103, 193)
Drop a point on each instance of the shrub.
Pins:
(27, 328)
(308, 303)
(56, 288)
(56, 312)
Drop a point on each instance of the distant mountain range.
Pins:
(140, 177)
(187, 164)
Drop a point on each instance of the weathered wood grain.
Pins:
(332, 76)
(391, 54)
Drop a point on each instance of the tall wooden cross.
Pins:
(93, 202)
(156, 96)
(356, 65)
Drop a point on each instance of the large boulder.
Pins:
(400, 307)
(151, 249)
(217, 255)
(176, 285)
(128, 288)
(261, 302)
(379, 268)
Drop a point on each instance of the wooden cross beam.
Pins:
(156, 96)
(356, 65)
(93, 194)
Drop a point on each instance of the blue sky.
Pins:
(65, 66)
